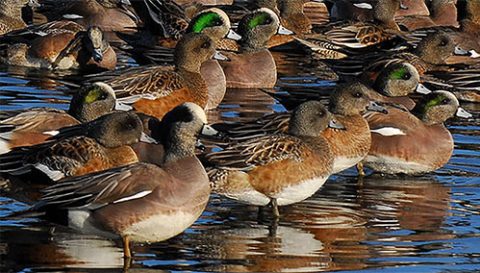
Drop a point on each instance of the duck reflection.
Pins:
(342, 227)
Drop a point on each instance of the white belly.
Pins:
(342, 163)
(250, 197)
(160, 227)
(393, 165)
(299, 192)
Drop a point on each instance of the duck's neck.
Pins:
(178, 147)
(195, 82)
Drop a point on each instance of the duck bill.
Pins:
(126, 2)
(375, 107)
(219, 56)
(284, 31)
(232, 35)
(462, 113)
(460, 51)
(335, 124)
(403, 6)
(208, 130)
(422, 89)
(33, 4)
(97, 55)
(147, 139)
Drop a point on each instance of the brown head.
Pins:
(96, 43)
(116, 129)
(352, 98)
(437, 107)
(292, 16)
(92, 101)
(399, 79)
(310, 119)
(384, 10)
(435, 48)
(193, 50)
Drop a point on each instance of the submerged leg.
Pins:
(360, 170)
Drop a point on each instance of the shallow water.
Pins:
(379, 224)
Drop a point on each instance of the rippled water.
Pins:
(390, 224)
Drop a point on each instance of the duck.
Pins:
(109, 15)
(59, 45)
(36, 125)
(413, 143)
(279, 169)
(214, 23)
(362, 34)
(348, 102)
(155, 90)
(103, 144)
(253, 66)
(442, 13)
(11, 14)
(139, 202)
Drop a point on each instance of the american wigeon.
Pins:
(253, 66)
(139, 202)
(442, 13)
(110, 15)
(429, 55)
(413, 144)
(155, 90)
(214, 23)
(394, 83)
(349, 146)
(34, 126)
(11, 14)
(59, 45)
(363, 34)
(102, 144)
(279, 169)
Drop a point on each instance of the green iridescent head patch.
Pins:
(204, 20)
(259, 19)
(399, 73)
(93, 95)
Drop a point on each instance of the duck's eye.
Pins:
(103, 96)
(218, 23)
(445, 101)
(406, 76)
(321, 113)
(206, 45)
(357, 95)
(268, 21)
(444, 42)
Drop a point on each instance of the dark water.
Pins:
(401, 224)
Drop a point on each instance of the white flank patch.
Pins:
(131, 197)
(51, 133)
(72, 16)
(388, 131)
(394, 165)
(160, 227)
(52, 174)
(341, 163)
(363, 6)
(4, 147)
(300, 191)
(122, 107)
(80, 220)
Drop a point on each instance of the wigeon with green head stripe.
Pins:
(413, 143)
(253, 66)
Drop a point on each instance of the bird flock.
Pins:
(134, 157)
